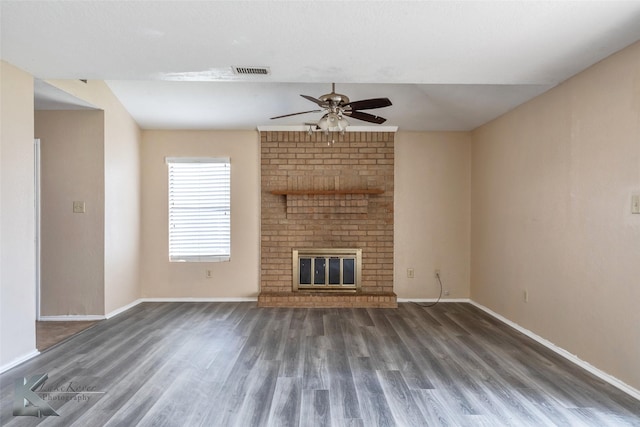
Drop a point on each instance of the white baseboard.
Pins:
(18, 361)
(434, 300)
(564, 353)
(72, 318)
(78, 317)
(123, 308)
(197, 299)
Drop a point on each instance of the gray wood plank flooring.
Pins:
(233, 364)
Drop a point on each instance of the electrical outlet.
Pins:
(446, 293)
(525, 296)
(208, 274)
(436, 273)
(78, 207)
(411, 273)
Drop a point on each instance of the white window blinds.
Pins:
(199, 209)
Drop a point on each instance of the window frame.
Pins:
(172, 212)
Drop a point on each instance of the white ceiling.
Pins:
(445, 65)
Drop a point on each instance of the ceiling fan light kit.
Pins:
(333, 122)
(336, 106)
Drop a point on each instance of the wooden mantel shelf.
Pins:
(326, 192)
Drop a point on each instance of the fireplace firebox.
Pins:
(331, 269)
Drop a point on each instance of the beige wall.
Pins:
(236, 278)
(17, 222)
(122, 209)
(432, 213)
(72, 244)
(551, 198)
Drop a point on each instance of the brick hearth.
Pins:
(327, 299)
(319, 195)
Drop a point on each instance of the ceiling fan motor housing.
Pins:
(335, 99)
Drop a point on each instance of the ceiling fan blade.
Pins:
(317, 101)
(365, 116)
(368, 104)
(295, 114)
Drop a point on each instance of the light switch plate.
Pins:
(635, 204)
(78, 207)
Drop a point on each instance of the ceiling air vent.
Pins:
(252, 71)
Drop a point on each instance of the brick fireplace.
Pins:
(319, 194)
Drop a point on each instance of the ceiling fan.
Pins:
(337, 107)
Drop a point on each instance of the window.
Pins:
(199, 209)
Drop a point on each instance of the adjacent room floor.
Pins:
(224, 364)
(49, 334)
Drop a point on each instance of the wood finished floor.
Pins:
(49, 334)
(232, 364)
